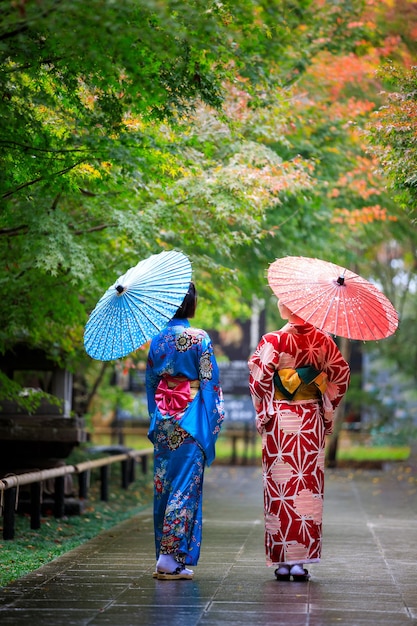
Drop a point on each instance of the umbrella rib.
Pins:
(375, 299)
(346, 311)
(126, 335)
(103, 338)
(150, 306)
(314, 299)
(332, 298)
(152, 292)
(115, 349)
(335, 296)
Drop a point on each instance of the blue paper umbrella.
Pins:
(137, 306)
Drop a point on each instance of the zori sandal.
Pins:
(282, 573)
(301, 578)
(181, 573)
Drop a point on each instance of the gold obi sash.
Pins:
(174, 381)
(302, 383)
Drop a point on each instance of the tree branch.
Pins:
(12, 232)
(94, 229)
(23, 26)
(96, 385)
(55, 202)
(37, 180)
(28, 66)
(33, 149)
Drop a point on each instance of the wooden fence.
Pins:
(9, 485)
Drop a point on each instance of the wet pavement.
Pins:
(367, 575)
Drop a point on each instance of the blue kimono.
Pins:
(185, 404)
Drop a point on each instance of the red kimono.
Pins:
(293, 414)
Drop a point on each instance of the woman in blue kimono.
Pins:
(185, 404)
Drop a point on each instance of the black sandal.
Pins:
(281, 576)
(301, 578)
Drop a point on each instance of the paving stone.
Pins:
(366, 577)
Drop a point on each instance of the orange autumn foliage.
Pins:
(357, 217)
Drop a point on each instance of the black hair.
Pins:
(189, 304)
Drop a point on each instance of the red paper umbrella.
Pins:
(332, 298)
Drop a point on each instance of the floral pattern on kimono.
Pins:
(183, 351)
(185, 403)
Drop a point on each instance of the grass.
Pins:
(356, 453)
(375, 453)
(352, 452)
(33, 548)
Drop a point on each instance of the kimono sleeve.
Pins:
(210, 388)
(262, 366)
(152, 381)
(338, 376)
(203, 419)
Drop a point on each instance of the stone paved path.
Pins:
(367, 577)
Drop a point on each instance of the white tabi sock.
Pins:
(166, 563)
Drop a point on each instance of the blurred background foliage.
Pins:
(235, 132)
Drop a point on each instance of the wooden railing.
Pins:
(9, 485)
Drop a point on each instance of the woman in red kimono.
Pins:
(297, 379)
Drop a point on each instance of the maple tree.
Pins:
(370, 211)
(232, 131)
(102, 162)
(392, 131)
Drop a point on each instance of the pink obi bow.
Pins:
(171, 400)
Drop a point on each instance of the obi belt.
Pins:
(174, 393)
(301, 383)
